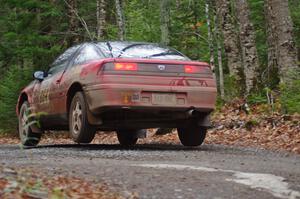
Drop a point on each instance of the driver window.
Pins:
(57, 68)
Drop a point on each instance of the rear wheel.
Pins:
(192, 135)
(127, 137)
(27, 136)
(80, 129)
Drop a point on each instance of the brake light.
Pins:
(126, 66)
(196, 69)
(189, 69)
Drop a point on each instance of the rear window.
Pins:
(139, 50)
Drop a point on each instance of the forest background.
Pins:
(253, 46)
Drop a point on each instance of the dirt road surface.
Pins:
(168, 171)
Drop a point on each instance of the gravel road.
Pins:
(169, 171)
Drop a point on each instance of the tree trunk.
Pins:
(280, 34)
(73, 22)
(120, 20)
(101, 15)
(220, 67)
(209, 34)
(230, 38)
(164, 21)
(271, 37)
(249, 50)
(217, 36)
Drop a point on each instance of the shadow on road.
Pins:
(143, 147)
(222, 149)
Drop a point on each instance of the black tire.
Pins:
(164, 131)
(127, 137)
(27, 136)
(80, 129)
(192, 135)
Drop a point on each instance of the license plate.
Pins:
(163, 99)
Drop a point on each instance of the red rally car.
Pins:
(118, 86)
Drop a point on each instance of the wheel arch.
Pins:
(75, 87)
(22, 98)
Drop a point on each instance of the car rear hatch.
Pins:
(143, 82)
(158, 72)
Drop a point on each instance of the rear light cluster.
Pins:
(189, 69)
(126, 66)
(196, 69)
(134, 67)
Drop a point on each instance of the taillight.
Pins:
(189, 69)
(126, 66)
(196, 69)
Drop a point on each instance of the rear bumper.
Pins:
(104, 97)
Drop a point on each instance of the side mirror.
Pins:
(39, 75)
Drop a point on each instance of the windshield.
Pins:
(139, 50)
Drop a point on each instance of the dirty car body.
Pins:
(124, 85)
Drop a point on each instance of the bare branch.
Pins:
(82, 21)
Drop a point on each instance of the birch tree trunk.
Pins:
(164, 21)
(209, 34)
(220, 62)
(230, 38)
(217, 35)
(220, 67)
(271, 37)
(73, 23)
(120, 20)
(280, 23)
(249, 50)
(101, 15)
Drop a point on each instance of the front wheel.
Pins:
(80, 129)
(27, 136)
(192, 135)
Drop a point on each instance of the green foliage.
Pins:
(231, 88)
(258, 97)
(219, 103)
(257, 15)
(24, 38)
(14, 79)
(295, 14)
(290, 97)
(188, 29)
(143, 21)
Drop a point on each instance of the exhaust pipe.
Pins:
(191, 112)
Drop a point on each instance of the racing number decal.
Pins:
(44, 96)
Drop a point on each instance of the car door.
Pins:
(57, 85)
(50, 94)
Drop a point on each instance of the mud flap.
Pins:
(205, 121)
(142, 133)
(35, 129)
(93, 119)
